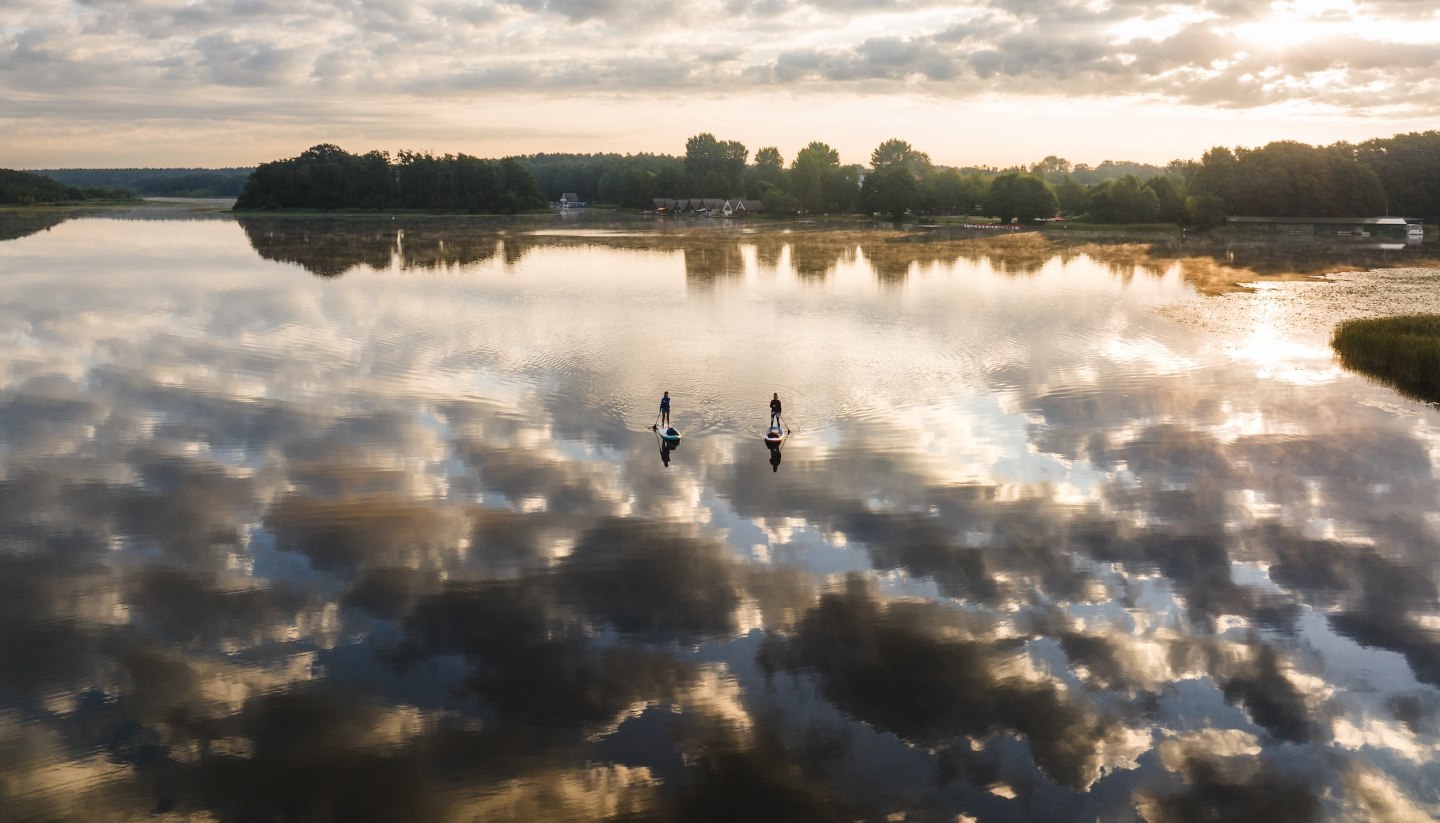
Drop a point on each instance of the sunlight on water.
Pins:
(365, 519)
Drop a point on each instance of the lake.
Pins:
(364, 519)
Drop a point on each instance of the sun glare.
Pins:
(1291, 24)
(1294, 23)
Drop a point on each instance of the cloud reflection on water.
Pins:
(398, 544)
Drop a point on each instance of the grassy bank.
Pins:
(1402, 351)
(1112, 228)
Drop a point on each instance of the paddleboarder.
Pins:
(775, 409)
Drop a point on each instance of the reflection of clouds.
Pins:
(652, 580)
(896, 665)
(594, 793)
(368, 530)
(1226, 782)
(45, 781)
(369, 535)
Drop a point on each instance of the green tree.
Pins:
(24, 188)
(705, 155)
(1212, 188)
(776, 200)
(1408, 168)
(893, 153)
(1289, 179)
(808, 172)
(950, 192)
(326, 177)
(714, 184)
(768, 170)
(891, 191)
(1022, 196)
(1071, 195)
(840, 189)
(519, 185)
(1171, 204)
(1122, 201)
(1053, 169)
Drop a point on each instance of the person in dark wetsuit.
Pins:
(775, 409)
(665, 409)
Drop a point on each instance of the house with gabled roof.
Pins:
(706, 205)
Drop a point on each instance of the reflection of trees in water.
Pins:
(331, 247)
(17, 224)
(1220, 266)
(323, 246)
(431, 247)
(707, 263)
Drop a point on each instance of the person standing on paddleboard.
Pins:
(775, 409)
(665, 409)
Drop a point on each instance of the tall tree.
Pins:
(808, 172)
(1172, 205)
(894, 152)
(1021, 196)
(1122, 201)
(1071, 195)
(768, 170)
(1053, 169)
(705, 155)
(890, 190)
(1212, 188)
(1408, 167)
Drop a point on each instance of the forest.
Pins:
(20, 188)
(327, 177)
(1399, 175)
(164, 182)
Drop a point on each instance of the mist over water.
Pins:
(363, 519)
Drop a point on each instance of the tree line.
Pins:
(21, 188)
(1399, 175)
(153, 182)
(328, 177)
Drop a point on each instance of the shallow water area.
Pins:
(364, 518)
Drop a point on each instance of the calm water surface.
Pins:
(364, 520)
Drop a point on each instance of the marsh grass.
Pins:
(1402, 351)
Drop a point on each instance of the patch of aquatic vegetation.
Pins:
(1403, 351)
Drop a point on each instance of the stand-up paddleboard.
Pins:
(669, 435)
(775, 435)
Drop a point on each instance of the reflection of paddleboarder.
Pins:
(664, 454)
(775, 409)
(775, 459)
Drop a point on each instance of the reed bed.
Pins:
(1402, 351)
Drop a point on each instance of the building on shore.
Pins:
(1400, 228)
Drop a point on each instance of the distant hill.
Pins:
(226, 182)
(22, 188)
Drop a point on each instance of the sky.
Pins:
(211, 83)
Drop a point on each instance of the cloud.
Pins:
(556, 45)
